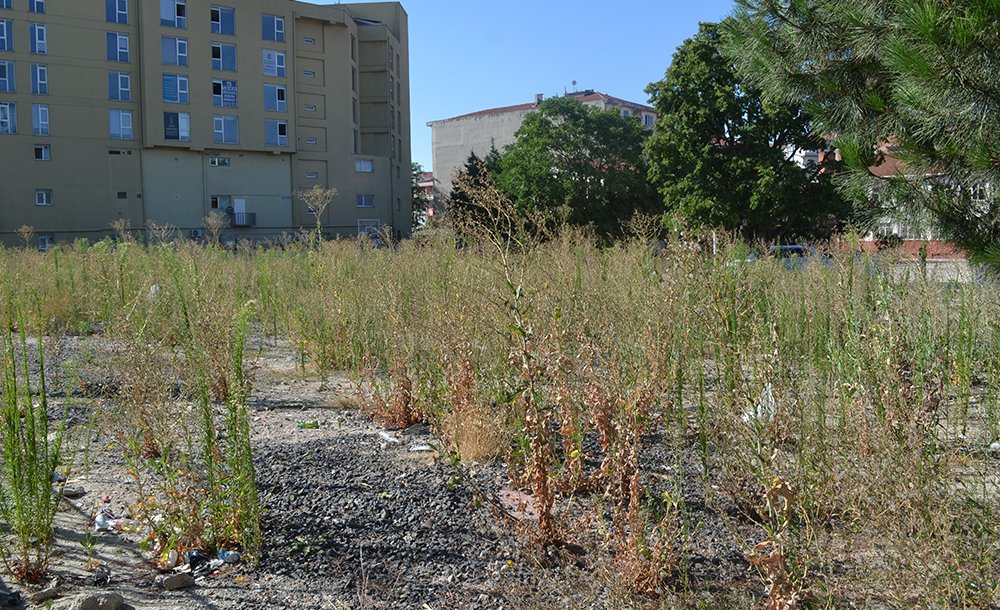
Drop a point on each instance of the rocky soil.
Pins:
(355, 516)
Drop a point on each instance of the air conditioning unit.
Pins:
(197, 233)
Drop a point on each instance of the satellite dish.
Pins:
(574, 86)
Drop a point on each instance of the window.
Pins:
(43, 196)
(224, 93)
(227, 129)
(223, 20)
(223, 56)
(354, 109)
(354, 47)
(7, 82)
(354, 79)
(398, 93)
(175, 88)
(117, 47)
(43, 152)
(119, 86)
(45, 241)
(366, 201)
(648, 120)
(273, 28)
(121, 124)
(218, 161)
(177, 126)
(38, 38)
(8, 117)
(220, 202)
(5, 4)
(274, 63)
(357, 147)
(390, 58)
(310, 107)
(40, 119)
(173, 13)
(392, 146)
(274, 98)
(175, 51)
(36, 6)
(116, 11)
(364, 166)
(312, 141)
(308, 74)
(6, 34)
(392, 119)
(397, 63)
(276, 132)
(39, 79)
(312, 175)
(309, 41)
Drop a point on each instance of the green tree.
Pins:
(586, 161)
(476, 175)
(419, 200)
(722, 157)
(914, 80)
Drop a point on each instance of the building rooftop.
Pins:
(588, 95)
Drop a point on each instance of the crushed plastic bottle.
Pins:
(229, 556)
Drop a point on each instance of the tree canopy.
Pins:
(914, 81)
(586, 161)
(721, 156)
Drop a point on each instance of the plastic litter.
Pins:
(102, 576)
(389, 438)
(309, 425)
(425, 448)
(765, 409)
(229, 556)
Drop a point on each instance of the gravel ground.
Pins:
(358, 517)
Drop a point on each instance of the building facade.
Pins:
(166, 111)
(453, 139)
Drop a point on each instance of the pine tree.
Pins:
(913, 81)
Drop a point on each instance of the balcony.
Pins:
(243, 219)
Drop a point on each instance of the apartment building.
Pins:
(166, 111)
(453, 139)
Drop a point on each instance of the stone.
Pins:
(173, 582)
(995, 447)
(74, 491)
(94, 601)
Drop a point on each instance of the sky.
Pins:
(469, 55)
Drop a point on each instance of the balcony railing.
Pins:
(244, 219)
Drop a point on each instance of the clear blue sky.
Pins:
(468, 55)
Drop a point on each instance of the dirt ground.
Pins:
(354, 516)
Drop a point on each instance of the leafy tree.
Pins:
(722, 157)
(914, 80)
(581, 159)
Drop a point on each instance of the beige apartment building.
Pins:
(166, 111)
(452, 140)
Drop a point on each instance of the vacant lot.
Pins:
(500, 423)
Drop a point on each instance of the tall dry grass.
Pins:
(840, 415)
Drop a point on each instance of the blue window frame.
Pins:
(223, 20)
(119, 86)
(116, 11)
(36, 6)
(175, 51)
(173, 13)
(7, 81)
(6, 34)
(39, 79)
(223, 57)
(175, 88)
(117, 47)
(272, 27)
(39, 39)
